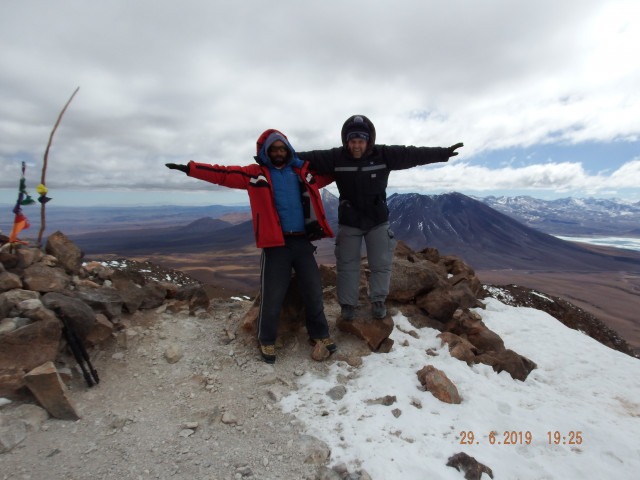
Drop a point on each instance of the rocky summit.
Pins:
(171, 384)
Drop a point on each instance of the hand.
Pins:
(452, 149)
(176, 166)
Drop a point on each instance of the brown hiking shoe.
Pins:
(331, 346)
(268, 353)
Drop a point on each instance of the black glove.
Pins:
(176, 166)
(452, 149)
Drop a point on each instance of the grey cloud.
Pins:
(161, 81)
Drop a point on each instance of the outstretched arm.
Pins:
(232, 177)
(399, 157)
(320, 161)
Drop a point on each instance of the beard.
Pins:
(279, 160)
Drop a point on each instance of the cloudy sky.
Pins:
(543, 94)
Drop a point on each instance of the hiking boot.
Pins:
(379, 310)
(348, 313)
(327, 343)
(268, 353)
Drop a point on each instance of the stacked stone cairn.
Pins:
(36, 283)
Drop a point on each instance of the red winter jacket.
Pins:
(257, 181)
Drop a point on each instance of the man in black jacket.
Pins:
(361, 170)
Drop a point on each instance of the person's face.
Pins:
(357, 147)
(278, 153)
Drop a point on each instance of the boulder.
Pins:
(42, 278)
(373, 332)
(507, 360)
(9, 281)
(105, 300)
(24, 349)
(468, 465)
(437, 383)
(81, 317)
(47, 386)
(410, 279)
(68, 254)
(439, 304)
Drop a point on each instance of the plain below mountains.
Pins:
(453, 223)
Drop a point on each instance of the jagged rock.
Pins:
(410, 279)
(153, 295)
(337, 393)
(315, 450)
(485, 339)
(463, 296)
(458, 347)
(106, 300)
(320, 352)
(34, 309)
(9, 281)
(42, 278)
(173, 354)
(102, 330)
(291, 316)
(99, 270)
(374, 332)
(418, 318)
(387, 401)
(9, 260)
(130, 291)
(488, 347)
(469, 279)
(507, 360)
(81, 317)
(24, 349)
(47, 386)
(199, 299)
(28, 256)
(438, 384)
(471, 468)
(7, 325)
(67, 253)
(10, 300)
(439, 304)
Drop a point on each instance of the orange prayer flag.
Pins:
(19, 224)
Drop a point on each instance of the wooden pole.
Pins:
(44, 165)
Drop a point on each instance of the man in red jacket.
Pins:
(287, 215)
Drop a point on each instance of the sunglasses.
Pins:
(277, 149)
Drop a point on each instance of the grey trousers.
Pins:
(380, 243)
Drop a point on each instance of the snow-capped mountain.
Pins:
(486, 238)
(571, 216)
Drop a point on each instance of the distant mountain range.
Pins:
(571, 216)
(72, 220)
(453, 223)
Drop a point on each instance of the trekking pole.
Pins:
(78, 350)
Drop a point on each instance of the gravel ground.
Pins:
(213, 414)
